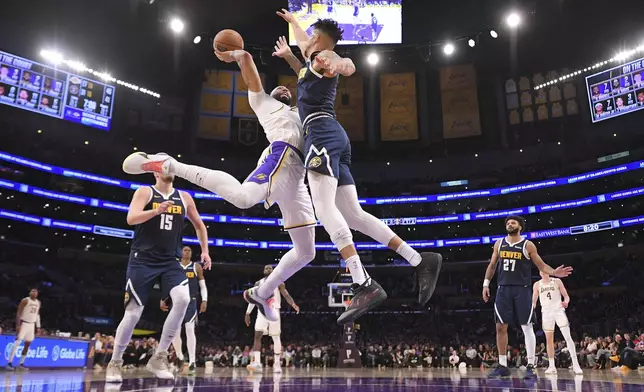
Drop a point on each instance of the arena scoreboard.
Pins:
(617, 91)
(38, 88)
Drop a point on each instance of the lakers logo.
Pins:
(260, 176)
(127, 298)
(315, 162)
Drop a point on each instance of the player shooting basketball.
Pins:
(328, 157)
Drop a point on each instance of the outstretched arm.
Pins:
(332, 63)
(560, 272)
(282, 50)
(288, 298)
(246, 65)
(300, 35)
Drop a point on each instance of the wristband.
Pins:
(486, 283)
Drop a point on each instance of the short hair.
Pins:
(517, 218)
(329, 27)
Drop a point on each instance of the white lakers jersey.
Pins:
(550, 295)
(277, 304)
(30, 311)
(281, 123)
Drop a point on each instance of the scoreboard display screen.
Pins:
(617, 91)
(35, 87)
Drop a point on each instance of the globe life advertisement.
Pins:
(49, 352)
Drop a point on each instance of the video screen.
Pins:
(363, 21)
(616, 91)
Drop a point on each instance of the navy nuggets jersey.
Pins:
(160, 237)
(193, 280)
(515, 267)
(315, 93)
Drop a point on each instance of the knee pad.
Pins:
(342, 238)
(180, 296)
(277, 342)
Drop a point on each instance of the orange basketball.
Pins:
(228, 39)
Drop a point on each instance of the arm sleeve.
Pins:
(203, 290)
(250, 308)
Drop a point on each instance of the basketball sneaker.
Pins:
(277, 368)
(499, 372)
(427, 275)
(529, 373)
(140, 162)
(113, 371)
(9, 368)
(365, 297)
(254, 367)
(192, 369)
(551, 370)
(577, 370)
(264, 306)
(158, 365)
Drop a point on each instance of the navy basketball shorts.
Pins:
(191, 312)
(513, 304)
(143, 272)
(327, 149)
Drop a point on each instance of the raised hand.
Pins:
(281, 48)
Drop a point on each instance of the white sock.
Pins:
(358, 272)
(243, 196)
(294, 260)
(124, 331)
(178, 345)
(257, 357)
(14, 349)
(503, 360)
(409, 254)
(530, 342)
(565, 331)
(277, 360)
(551, 362)
(191, 341)
(180, 299)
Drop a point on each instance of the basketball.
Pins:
(228, 39)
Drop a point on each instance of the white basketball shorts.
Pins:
(27, 332)
(552, 317)
(272, 328)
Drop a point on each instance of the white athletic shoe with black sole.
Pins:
(264, 306)
(140, 163)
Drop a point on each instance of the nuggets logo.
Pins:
(190, 275)
(126, 298)
(315, 162)
(302, 73)
(55, 353)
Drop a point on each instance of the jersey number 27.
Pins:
(508, 264)
(166, 222)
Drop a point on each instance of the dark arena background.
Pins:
(460, 114)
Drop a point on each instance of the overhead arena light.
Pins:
(513, 20)
(197, 39)
(373, 59)
(448, 49)
(471, 43)
(177, 25)
(494, 34)
(52, 56)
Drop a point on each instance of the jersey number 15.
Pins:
(508, 264)
(166, 222)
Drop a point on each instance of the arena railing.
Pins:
(403, 221)
(275, 245)
(368, 201)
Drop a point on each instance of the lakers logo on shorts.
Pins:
(127, 298)
(260, 176)
(315, 162)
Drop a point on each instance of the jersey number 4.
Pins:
(166, 222)
(508, 264)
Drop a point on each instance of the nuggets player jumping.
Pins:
(27, 324)
(278, 178)
(513, 302)
(267, 327)
(553, 311)
(158, 214)
(328, 157)
(196, 284)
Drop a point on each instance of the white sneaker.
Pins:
(551, 370)
(277, 369)
(254, 367)
(577, 370)
(113, 372)
(140, 162)
(264, 306)
(158, 365)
